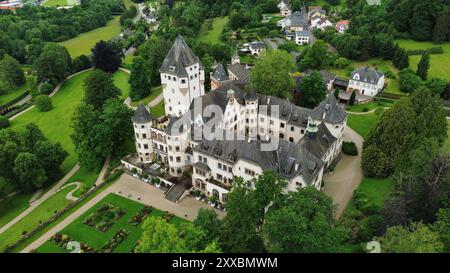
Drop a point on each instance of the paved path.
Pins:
(364, 113)
(39, 201)
(69, 195)
(136, 190)
(50, 95)
(347, 175)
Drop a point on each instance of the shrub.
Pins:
(46, 88)
(375, 163)
(349, 148)
(390, 75)
(4, 122)
(43, 103)
(369, 227)
(365, 109)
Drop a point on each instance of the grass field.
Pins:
(11, 207)
(439, 63)
(97, 239)
(12, 94)
(55, 3)
(158, 110)
(376, 189)
(212, 35)
(156, 91)
(365, 107)
(362, 123)
(56, 123)
(83, 43)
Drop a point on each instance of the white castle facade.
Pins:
(306, 141)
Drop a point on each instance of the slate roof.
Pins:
(219, 73)
(288, 159)
(320, 143)
(298, 19)
(288, 112)
(141, 115)
(257, 45)
(334, 113)
(239, 71)
(251, 94)
(367, 75)
(180, 55)
(303, 33)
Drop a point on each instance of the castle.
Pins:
(307, 141)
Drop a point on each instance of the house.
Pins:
(297, 21)
(248, 133)
(302, 37)
(321, 23)
(11, 5)
(236, 73)
(256, 48)
(285, 7)
(314, 11)
(342, 26)
(366, 81)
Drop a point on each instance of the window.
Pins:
(144, 136)
(145, 146)
(271, 122)
(177, 148)
(281, 135)
(183, 81)
(292, 129)
(219, 165)
(137, 135)
(282, 125)
(171, 158)
(219, 177)
(249, 172)
(302, 131)
(291, 139)
(139, 145)
(178, 159)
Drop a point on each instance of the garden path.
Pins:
(346, 176)
(69, 195)
(135, 189)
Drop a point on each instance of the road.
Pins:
(346, 176)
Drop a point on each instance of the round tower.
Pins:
(142, 122)
(251, 110)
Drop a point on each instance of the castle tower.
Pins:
(235, 59)
(142, 122)
(182, 78)
(251, 110)
(218, 76)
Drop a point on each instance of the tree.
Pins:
(415, 238)
(424, 65)
(208, 222)
(8, 153)
(87, 143)
(302, 221)
(80, 63)
(105, 57)
(4, 122)
(409, 81)
(352, 99)
(29, 172)
(31, 136)
(115, 126)
(10, 71)
(441, 29)
(99, 87)
(442, 227)
(139, 79)
(43, 103)
(401, 58)
(158, 236)
(51, 156)
(271, 76)
(54, 64)
(436, 85)
(316, 57)
(154, 51)
(313, 90)
(239, 225)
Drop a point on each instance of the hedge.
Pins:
(14, 101)
(432, 50)
(349, 148)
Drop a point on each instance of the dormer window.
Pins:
(356, 77)
(172, 68)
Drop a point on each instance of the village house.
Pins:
(285, 7)
(256, 48)
(366, 81)
(342, 26)
(305, 142)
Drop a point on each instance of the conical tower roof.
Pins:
(180, 56)
(141, 115)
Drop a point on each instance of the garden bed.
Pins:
(104, 217)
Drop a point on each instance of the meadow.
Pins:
(212, 35)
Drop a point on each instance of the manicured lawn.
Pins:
(365, 107)
(12, 94)
(121, 81)
(83, 43)
(84, 176)
(439, 64)
(362, 123)
(42, 213)
(376, 189)
(213, 35)
(128, 61)
(13, 206)
(96, 239)
(156, 91)
(55, 3)
(56, 123)
(158, 110)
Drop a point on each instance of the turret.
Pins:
(142, 122)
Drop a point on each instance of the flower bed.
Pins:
(62, 240)
(104, 217)
(118, 238)
(138, 218)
